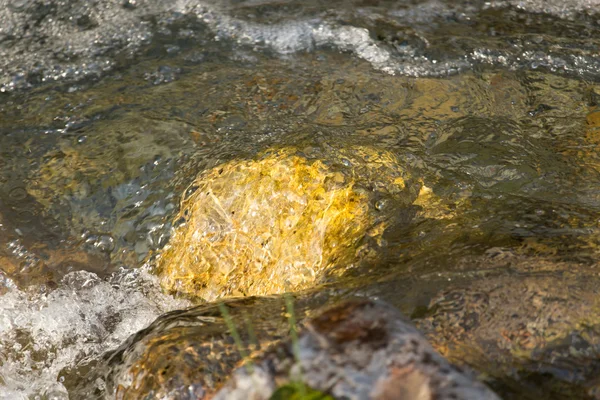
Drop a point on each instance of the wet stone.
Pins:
(356, 350)
(34, 250)
(537, 317)
(281, 222)
(188, 354)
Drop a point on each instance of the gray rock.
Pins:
(357, 350)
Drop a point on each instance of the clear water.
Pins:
(492, 104)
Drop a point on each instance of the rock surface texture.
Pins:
(357, 350)
(281, 222)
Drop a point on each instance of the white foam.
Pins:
(308, 34)
(40, 334)
(350, 38)
(560, 8)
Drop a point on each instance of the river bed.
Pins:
(110, 111)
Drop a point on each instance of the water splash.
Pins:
(44, 332)
(430, 38)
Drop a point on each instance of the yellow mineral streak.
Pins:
(276, 224)
(433, 206)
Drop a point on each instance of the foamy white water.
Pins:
(118, 29)
(40, 334)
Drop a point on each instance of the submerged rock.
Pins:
(356, 350)
(533, 322)
(283, 221)
(187, 354)
(34, 251)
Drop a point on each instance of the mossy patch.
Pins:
(298, 391)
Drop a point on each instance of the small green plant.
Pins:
(236, 337)
(289, 306)
(296, 389)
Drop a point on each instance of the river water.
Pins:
(109, 110)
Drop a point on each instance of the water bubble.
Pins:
(19, 193)
(185, 33)
(380, 205)
(26, 216)
(102, 242)
(164, 74)
(172, 49)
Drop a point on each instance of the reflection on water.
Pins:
(491, 110)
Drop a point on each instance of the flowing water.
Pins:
(109, 111)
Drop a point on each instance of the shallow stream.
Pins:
(110, 110)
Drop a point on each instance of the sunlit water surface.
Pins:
(491, 105)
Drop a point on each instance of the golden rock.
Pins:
(280, 222)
